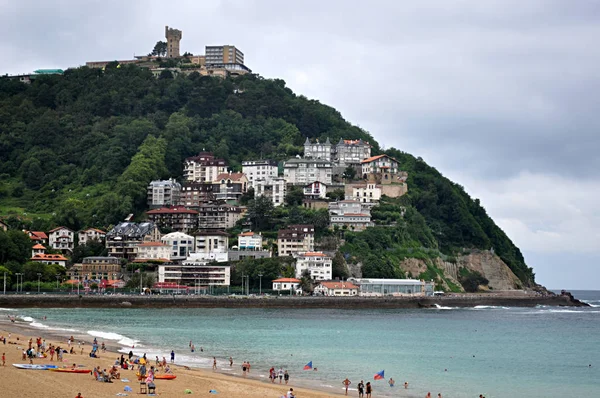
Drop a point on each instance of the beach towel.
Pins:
(125, 380)
(213, 392)
(188, 391)
(127, 388)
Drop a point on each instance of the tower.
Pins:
(173, 38)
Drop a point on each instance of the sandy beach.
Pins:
(35, 383)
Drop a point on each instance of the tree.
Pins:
(90, 249)
(338, 266)
(294, 196)
(160, 49)
(350, 173)
(337, 194)
(260, 211)
(306, 282)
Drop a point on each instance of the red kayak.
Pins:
(68, 370)
(165, 377)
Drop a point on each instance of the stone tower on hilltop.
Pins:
(173, 38)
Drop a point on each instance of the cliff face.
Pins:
(486, 263)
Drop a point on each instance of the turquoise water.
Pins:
(497, 351)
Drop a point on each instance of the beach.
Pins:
(35, 383)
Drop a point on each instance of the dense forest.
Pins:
(79, 150)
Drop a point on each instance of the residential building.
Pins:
(237, 255)
(195, 274)
(349, 214)
(218, 216)
(231, 186)
(123, 239)
(318, 265)
(348, 152)
(181, 245)
(163, 193)
(37, 236)
(371, 192)
(394, 287)
(223, 55)
(294, 239)
(50, 259)
(250, 241)
(207, 257)
(3, 226)
(90, 234)
(274, 189)
(153, 251)
(194, 194)
(303, 171)
(287, 284)
(318, 150)
(203, 168)
(62, 238)
(211, 242)
(173, 37)
(315, 190)
(384, 167)
(37, 249)
(90, 268)
(174, 218)
(259, 170)
(336, 288)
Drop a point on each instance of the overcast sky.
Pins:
(500, 96)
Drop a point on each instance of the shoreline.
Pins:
(509, 299)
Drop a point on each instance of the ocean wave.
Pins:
(25, 318)
(439, 307)
(489, 307)
(39, 325)
(7, 309)
(123, 340)
(592, 303)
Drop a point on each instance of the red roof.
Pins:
(373, 158)
(313, 254)
(38, 246)
(37, 235)
(228, 176)
(339, 285)
(152, 244)
(57, 228)
(355, 214)
(287, 280)
(172, 210)
(48, 257)
(247, 234)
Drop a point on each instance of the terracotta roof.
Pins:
(38, 246)
(53, 257)
(35, 235)
(94, 229)
(339, 285)
(247, 234)
(313, 254)
(352, 142)
(152, 244)
(287, 280)
(372, 158)
(232, 176)
(172, 210)
(353, 214)
(57, 228)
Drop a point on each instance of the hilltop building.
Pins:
(259, 170)
(62, 238)
(344, 153)
(381, 168)
(173, 37)
(203, 168)
(163, 193)
(90, 234)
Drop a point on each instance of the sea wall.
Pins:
(164, 301)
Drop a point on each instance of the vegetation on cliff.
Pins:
(78, 150)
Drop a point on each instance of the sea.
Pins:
(458, 352)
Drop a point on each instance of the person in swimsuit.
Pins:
(391, 382)
(346, 384)
(361, 389)
(369, 389)
(286, 376)
(244, 368)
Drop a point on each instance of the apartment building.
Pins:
(90, 234)
(174, 218)
(194, 194)
(218, 216)
(62, 238)
(250, 241)
(123, 239)
(203, 168)
(259, 170)
(349, 214)
(294, 239)
(274, 189)
(304, 171)
(181, 245)
(96, 268)
(163, 193)
(156, 251)
(319, 265)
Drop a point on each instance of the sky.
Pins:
(499, 96)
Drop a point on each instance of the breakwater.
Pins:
(182, 301)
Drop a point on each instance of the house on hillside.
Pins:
(123, 239)
(231, 186)
(250, 241)
(62, 238)
(203, 168)
(349, 214)
(318, 265)
(274, 188)
(259, 170)
(38, 249)
(37, 236)
(381, 168)
(181, 244)
(156, 251)
(303, 171)
(163, 193)
(315, 190)
(50, 259)
(90, 234)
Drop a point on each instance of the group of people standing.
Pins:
(280, 374)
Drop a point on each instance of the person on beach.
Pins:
(406, 385)
(172, 356)
(361, 389)
(286, 376)
(346, 384)
(168, 369)
(3, 359)
(391, 382)
(272, 374)
(428, 395)
(130, 355)
(248, 366)
(214, 363)
(230, 361)
(192, 348)
(164, 362)
(79, 395)
(369, 389)
(244, 368)
(439, 395)
(280, 375)
(290, 394)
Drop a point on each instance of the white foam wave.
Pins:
(7, 309)
(25, 318)
(489, 307)
(123, 340)
(39, 325)
(439, 307)
(592, 303)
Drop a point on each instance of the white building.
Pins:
(318, 150)
(350, 214)
(153, 251)
(349, 152)
(394, 287)
(211, 242)
(295, 238)
(61, 238)
(318, 264)
(259, 170)
(163, 193)
(287, 284)
(203, 168)
(366, 193)
(196, 274)
(303, 171)
(50, 259)
(207, 257)
(181, 244)
(383, 165)
(90, 234)
(250, 241)
(336, 288)
(274, 189)
(315, 190)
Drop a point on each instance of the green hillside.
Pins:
(79, 150)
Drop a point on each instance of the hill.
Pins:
(79, 150)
